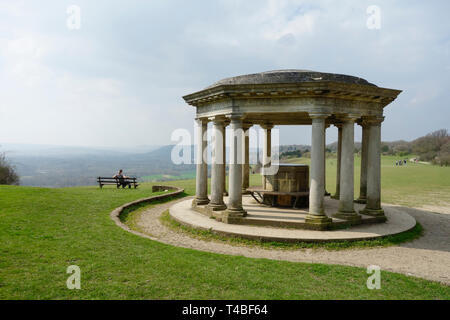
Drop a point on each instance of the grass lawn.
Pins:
(43, 231)
(413, 185)
(168, 177)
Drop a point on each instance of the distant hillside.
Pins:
(59, 169)
(63, 151)
(67, 166)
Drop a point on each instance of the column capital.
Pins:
(338, 124)
(235, 118)
(246, 125)
(319, 115)
(349, 117)
(267, 125)
(363, 122)
(217, 120)
(202, 120)
(374, 121)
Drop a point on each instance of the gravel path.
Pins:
(427, 257)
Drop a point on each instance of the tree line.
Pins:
(433, 147)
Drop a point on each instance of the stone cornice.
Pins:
(335, 90)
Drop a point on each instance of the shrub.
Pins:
(8, 174)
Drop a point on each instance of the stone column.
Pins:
(316, 217)
(201, 181)
(217, 173)
(325, 160)
(235, 211)
(373, 205)
(346, 208)
(246, 165)
(364, 158)
(267, 150)
(338, 168)
(225, 192)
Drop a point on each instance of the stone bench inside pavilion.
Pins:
(287, 187)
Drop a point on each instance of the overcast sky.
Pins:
(119, 78)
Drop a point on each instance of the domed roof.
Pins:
(290, 76)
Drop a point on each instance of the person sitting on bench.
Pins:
(122, 178)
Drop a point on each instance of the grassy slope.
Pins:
(167, 177)
(43, 231)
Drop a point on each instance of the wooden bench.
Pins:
(265, 196)
(118, 182)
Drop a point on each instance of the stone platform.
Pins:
(288, 225)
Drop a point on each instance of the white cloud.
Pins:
(133, 62)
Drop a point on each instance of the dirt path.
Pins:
(427, 257)
(437, 209)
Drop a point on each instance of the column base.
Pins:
(199, 202)
(349, 216)
(216, 207)
(361, 200)
(318, 222)
(372, 212)
(233, 216)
